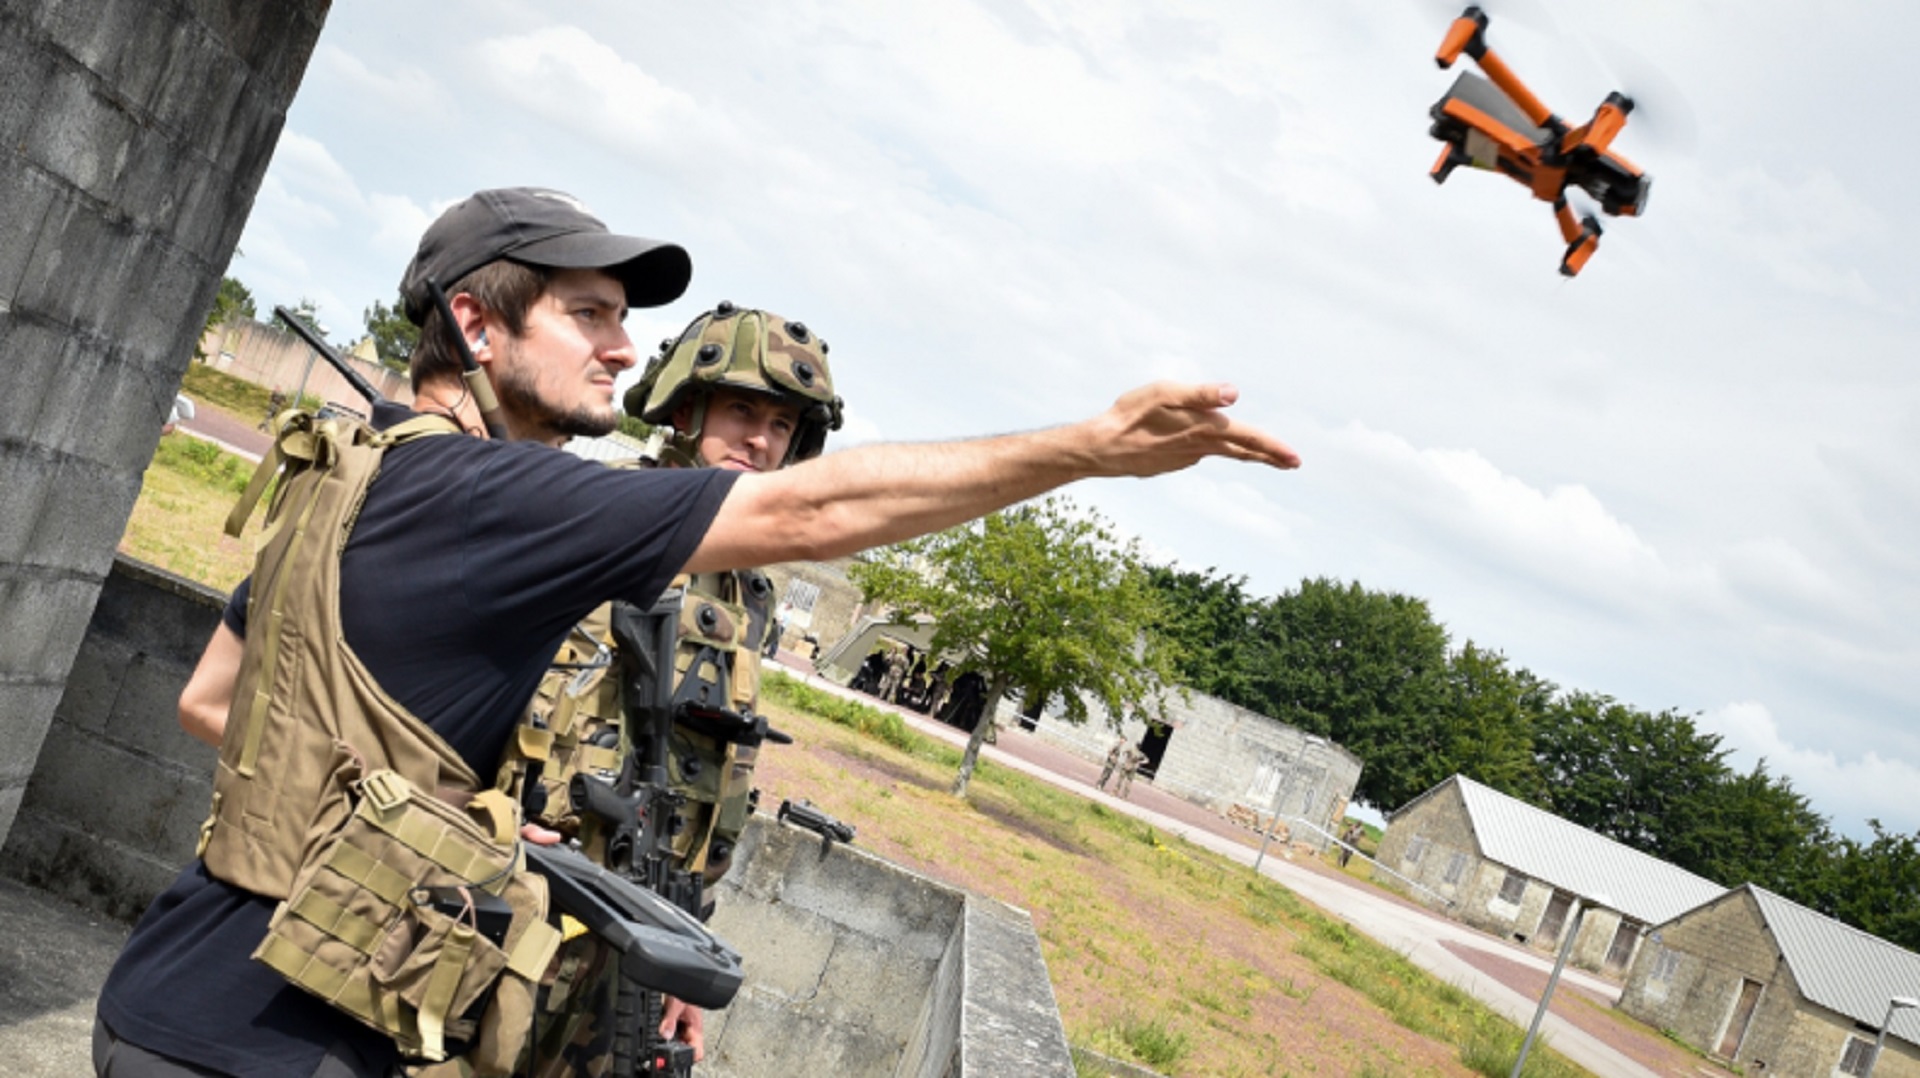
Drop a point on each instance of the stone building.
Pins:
(1506, 867)
(1239, 763)
(1772, 987)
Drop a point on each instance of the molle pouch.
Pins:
(572, 727)
(418, 918)
(711, 636)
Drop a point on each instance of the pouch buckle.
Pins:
(385, 790)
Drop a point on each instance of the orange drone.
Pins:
(1496, 123)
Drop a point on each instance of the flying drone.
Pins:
(1496, 123)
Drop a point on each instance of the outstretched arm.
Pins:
(876, 495)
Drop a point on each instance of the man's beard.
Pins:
(520, 398)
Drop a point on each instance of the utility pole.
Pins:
(1273, 819)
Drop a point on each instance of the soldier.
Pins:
(740, 390)
(1113, 761)
(1129, 767)
(896, 674)
(425, 589)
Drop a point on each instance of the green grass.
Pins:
(236, 396)
(179, 519)
(1130, 985)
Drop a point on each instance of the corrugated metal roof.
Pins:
(1842, 968)
(1572, 858)
(615, 446)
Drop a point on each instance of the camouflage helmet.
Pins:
(751, 350)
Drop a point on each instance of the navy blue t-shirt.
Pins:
(470, 561)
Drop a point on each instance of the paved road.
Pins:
(1443, 947)
(234, 435)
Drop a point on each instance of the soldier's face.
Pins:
(743, 431)
(556, 379)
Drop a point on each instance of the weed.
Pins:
(1151, 1041)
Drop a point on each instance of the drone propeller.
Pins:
(1662, 116)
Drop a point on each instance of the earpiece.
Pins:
(481, 341)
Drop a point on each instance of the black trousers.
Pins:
(115, 1058)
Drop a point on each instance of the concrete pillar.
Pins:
(133, 136)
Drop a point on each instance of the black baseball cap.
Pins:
(540, 227)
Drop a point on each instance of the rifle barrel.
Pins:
(319, 344)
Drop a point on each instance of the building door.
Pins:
(1737, 1021)
(1621, 952)
(1154, 745)
(1552, 921)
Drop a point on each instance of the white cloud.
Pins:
(1850, 785)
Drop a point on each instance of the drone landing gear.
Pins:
(1582, 236)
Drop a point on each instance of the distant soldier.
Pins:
(1129, 767)
(896, 674)
(1349, 838)
(1113, 761)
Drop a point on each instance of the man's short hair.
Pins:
(507, 289)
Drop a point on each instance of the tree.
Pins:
(1364, 668)
(394, 338)
(1487, 712)
(1041, 597)
(1875, 886)
(232, 303)
(1213, 619)
(1649, 781)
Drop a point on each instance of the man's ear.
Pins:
(471, 316)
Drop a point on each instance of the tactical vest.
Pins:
(403, 895)
(575, 723)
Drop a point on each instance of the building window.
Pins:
(1456, 867)
(1665, 964)
(1857, 1057)
(1513, 887)
(1416, 849)
(801, 595)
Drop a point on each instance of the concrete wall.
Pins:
(133, 135)
(1229, 759)
(1716, 948)
(269, 356)
(114, 805)
(836, 608)
(858, 967)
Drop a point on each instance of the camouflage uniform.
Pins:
(575, 721)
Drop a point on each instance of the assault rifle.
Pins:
(645, 909)
(638, 813)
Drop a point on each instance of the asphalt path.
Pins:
(1441, 946)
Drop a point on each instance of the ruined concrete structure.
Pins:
(133, 135)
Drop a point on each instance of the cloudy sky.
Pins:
(1684, 479)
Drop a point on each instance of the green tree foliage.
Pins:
(1365, 668)
(232, 303)
(1214, 621)
(1875, 886)
(1633, 776)
(394, 338)
(1042, 597)
(1755, 829)
(1488, 711)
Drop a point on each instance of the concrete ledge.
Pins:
(857, 966)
